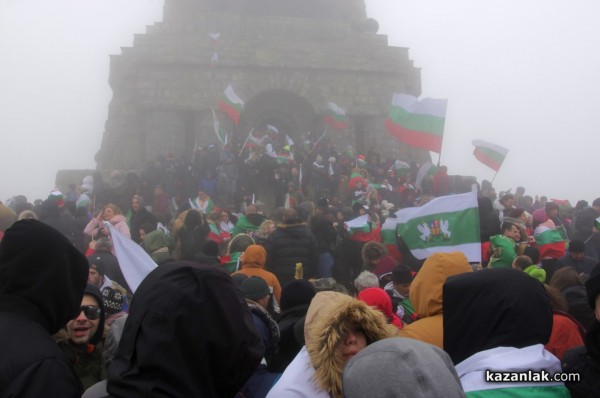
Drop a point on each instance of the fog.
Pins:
(519, 74)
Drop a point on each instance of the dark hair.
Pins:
(402, 274)
(533, 253)
(506, 226)
(516, 213)
(148, 227)
(576, 246)
(596, 202)
(565, 277)
(523, 262)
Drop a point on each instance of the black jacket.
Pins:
(288, 245)
(42, 279)
(585, 361)
(111, 267)
(289, 347)
(189, 333)
(142, 216)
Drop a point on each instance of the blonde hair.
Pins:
(116, 209)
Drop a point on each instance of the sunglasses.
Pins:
(90, 311)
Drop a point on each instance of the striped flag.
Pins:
(551, 242)
(443, 225)
(363, 230)
(336, 116)
(417, 123)
(231, 104)
(388, 237)
(491, 155)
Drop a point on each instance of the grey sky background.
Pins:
(521, 74)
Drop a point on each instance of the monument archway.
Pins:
(290, 113)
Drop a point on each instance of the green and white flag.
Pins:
(445, 224)
(221, 135)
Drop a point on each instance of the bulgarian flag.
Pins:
(400, 168)
(491, 155)
(363, 230)
(417, 123)
(215, 234)
(427, 170)
(355, 178)
(231, 104)
(336, 117)
(221, 135)
(214, 37)
(445, 224)
(388, 237)
(551, 243)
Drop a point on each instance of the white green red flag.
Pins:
(550, 240)
(443, 225)
(491, 155)
(231, 104)
(417, 123)
(363, 230)
(336, 117)
(214, 37)
(221, 135)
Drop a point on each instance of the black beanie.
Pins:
(254, 288)
(592, 285)
(297, 292)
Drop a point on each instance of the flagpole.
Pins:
(245, 142)
(495, 174)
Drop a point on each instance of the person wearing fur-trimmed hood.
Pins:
(337, 327)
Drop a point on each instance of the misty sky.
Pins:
(521, 74)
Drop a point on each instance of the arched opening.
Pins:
(289, 113)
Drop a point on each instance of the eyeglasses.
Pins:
(90, 311)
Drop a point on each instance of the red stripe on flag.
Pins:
(232, 112)
(413, 138)
(336, 124)
(485, 159)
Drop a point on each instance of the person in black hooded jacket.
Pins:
(585, 360)
(291, 243)
(189, 333)
(42, 279)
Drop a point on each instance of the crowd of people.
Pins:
(261, 288)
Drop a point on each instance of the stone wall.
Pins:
(165, 86)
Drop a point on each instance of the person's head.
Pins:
(477, 306)
(193, 218)
(96, 272)
(519, 192)
(365, 280)
(596, 205)
(43, 269)
(109, 211)
(592, 287)
(104, 245)
(295, 293)
(290, 216)
(337, 327)
(389, 368)
(266, 227)
(159, 190)
(256, 289)
(521, 262)
(87, 327)
(551, 209)
(565, 277)
(508, 200)
(211, 248)
(577, 250)
(137, 202)
(251, 209)
(201, 195)
(145, 229)
(533, 253)
(225, 216)
(510, 230)
(372, 253)
(402, 279)
(167, 330)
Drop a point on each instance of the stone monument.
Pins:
(285, 58)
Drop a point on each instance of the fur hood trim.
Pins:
(372, 246)
(329, 317)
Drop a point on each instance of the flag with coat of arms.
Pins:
(445, 224)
